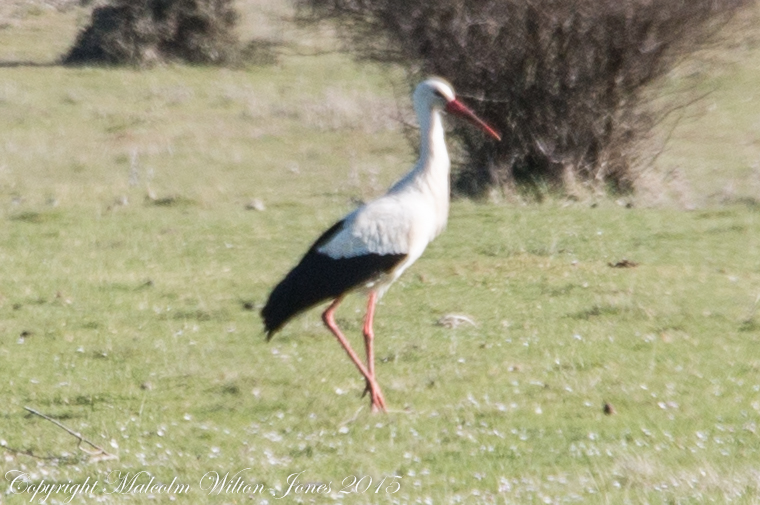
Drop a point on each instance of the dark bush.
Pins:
(561, 79)
(138, 32)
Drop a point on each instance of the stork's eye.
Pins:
(438, 93)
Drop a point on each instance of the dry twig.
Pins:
(99, 454)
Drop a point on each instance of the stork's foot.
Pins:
(377, 401)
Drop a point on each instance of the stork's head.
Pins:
(436, 93)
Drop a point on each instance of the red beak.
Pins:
(458, 108)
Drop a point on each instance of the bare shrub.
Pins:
(561, 79)
(139, 32)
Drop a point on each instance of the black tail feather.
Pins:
(318, 278)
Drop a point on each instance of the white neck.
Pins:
(433, 154)
(428, 181)
(431, 173)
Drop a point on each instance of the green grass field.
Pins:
(129, 253)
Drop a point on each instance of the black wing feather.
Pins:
(318, 278)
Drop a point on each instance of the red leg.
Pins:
(376, 396)
(369, 336)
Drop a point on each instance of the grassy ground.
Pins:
(128, 254)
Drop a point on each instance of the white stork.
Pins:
(373, 245)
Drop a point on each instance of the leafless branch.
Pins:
(666, 114)
(99, 453)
